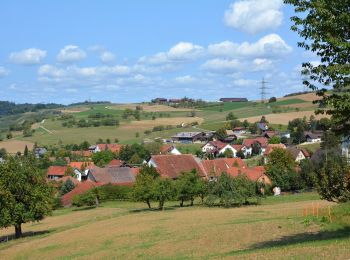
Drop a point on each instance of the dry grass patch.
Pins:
(149, 108)
(147, 124)
(307, 97)
(284, 118)
(14, 146)
(181, 233)
(75, 110)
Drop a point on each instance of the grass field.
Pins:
(13, 146)
(211, 117)
(124, 230)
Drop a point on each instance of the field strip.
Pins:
(47, 130)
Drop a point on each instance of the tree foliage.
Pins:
(325, 26)
(24, 193)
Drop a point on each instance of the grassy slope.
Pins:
(275, 229)
(214, 117)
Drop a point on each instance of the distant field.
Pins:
(148, 108)
(284, 118)
(124, 230)
(306, 97)
(14, 146)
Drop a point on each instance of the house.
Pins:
(313, 137)
(262, 142)
(116, 163)
(345, 148)
(262, 126)
(285, 134)
(298, 153)
(218, 147)
(81, 169)
(171, 166)
(115, 148)
(217, 166)
(238, 131)
(233, 100)
(269, 134)
(188, 137)
(40, 152)
(56, 172)
(230, 136)
(159, 100)
(112, 175)
(81, 188)
(169, 149)
(235, 167)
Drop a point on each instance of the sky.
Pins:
(66, 51)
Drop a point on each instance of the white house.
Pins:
(313, 137)
(218, 147)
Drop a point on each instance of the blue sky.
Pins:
(125, 51)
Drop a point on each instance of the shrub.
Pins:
(85, 199)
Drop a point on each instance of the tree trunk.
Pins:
(97, 202)
(18, 230)
(181, 203)
(192, 199)
(148, 204)
(161, 205)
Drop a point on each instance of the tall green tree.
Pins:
(162, 190)
(325, 26)
(143, 187)
(67, 187)
(187, 187)
(24, 193)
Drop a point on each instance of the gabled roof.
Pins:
(165, 148)
(79, 165)
(262, 126)
(220, 165)
(315, 135)
(295, 151)
(217, 144)
(271, 147)
(253, 174)
(82, 153)
(270, 134)
(56, 170)
(112, 174)
(115, 163)
(237, 147)
(250, 141)
(173, 165)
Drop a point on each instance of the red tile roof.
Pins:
(115, 148)
(237, 147)
(173, 165)
(271, 147)
(78, 165)
(250, 141)
(80, 189)
(56, 170)
(164, 149)
(116, 163)
(221, 165)
(82, 153)
(112, 174)
(218, 144)
(254, 174)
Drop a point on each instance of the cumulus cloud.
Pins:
(181, 52)
(253, 16)
(3, 72)
(221, 65)
(70, 54)
(185, 79)
(107, 57)
(271, 45)
(30, 56)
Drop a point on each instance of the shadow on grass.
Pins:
(4, 239)
(298, 239)
(150, 210)
(85, 208)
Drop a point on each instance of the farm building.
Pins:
(298, 153)
(188, 137)
(56, 172)
(314, 137)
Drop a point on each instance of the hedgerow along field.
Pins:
(129, 131)
(125, 230)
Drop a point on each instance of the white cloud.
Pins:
(107, 57)
(245, 82)
(253, 16)
(3, 72)
(185, 79)
(181, 52)
(221, 65)
(271, 45)
(70, 54)
(27, 57)
(71, 90)
(51, 71)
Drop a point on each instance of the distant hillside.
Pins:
(10, 108)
